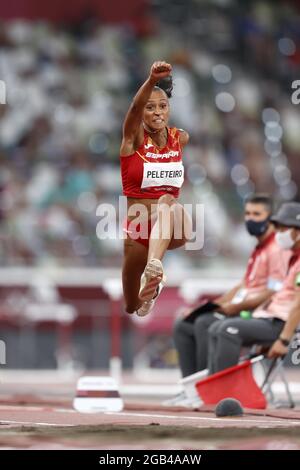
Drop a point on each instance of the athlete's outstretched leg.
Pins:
(171, 230)
(162, 231)
(159, 241)
(135, 259)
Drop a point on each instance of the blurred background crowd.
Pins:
(68, 89)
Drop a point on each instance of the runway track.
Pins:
(37, 415)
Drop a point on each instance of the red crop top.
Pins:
(151, 172)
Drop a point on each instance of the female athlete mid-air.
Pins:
(152, 175)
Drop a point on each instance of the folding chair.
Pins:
(273, 369)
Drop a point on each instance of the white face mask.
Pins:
(285, 240)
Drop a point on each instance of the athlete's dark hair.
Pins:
(261, 198)
(166, 84)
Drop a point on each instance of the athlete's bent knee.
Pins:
(167, 199)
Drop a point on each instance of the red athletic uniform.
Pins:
(151, 172)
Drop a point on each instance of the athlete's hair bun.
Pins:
(166, 84)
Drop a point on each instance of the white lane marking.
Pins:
(283, 421)
(144, 415)
(242, 420)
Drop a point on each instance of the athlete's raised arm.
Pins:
(133, 119)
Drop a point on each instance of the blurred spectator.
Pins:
(266, 270)
(68, 91)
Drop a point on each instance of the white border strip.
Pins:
(283, 422)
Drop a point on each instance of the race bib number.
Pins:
(163, 174)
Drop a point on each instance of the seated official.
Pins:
(265, 272)
(274, 322)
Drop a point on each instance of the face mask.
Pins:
(285, 240)
(257, 228)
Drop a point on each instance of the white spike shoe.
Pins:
(152, 276)
(152, 282)
(145, 308)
